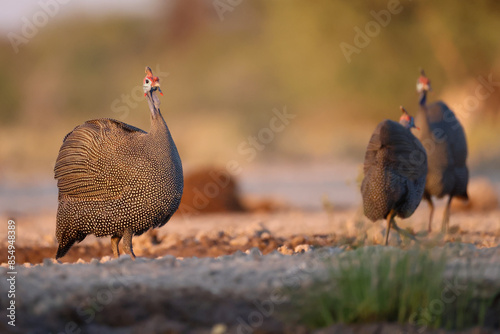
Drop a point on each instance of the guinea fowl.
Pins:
(443, 137)
(115, 179)
(395, 169)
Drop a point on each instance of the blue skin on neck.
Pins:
(423, 97)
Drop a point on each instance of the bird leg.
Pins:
(390, 219)
(428, 198)
(127, 243)
(115, 240)
(404, 232)
(446, 216)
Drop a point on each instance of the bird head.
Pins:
(150, 83)
(423, 83)
(407, 120)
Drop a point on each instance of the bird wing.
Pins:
(406, 155)
(86, 167)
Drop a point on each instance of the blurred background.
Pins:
(227, 68)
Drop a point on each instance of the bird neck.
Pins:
(423, 117)
(423, 98)
(159, 127)
(157, 121)
(158, 124)
(153, 104)
(160, 130)
(160, 135)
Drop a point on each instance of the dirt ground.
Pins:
(203, 272)
(289, 231)
(197, 275)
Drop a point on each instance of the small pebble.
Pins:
(285, 250)
(239, 241)
(105, 258)
(302, 248)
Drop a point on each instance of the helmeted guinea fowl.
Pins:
(443, 137)
(115, 179)
(395, 169)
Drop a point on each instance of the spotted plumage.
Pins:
(395, 169)
(443, 137)
(115, 179)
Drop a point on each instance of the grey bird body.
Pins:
(395, 170)
(444, 139)
(117, 180)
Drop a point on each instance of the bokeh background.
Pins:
(224, 67)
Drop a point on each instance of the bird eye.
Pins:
(147, 81)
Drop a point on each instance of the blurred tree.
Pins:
(262, 55)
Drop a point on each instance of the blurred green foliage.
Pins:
(264, 54)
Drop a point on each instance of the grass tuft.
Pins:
(375, 284)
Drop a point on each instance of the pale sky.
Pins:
(12, 11)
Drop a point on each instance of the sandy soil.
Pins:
(220, 234)
(197, 275)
